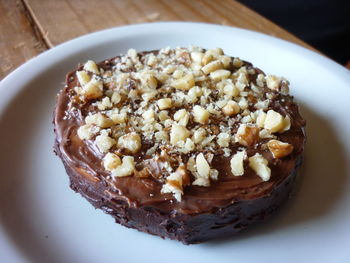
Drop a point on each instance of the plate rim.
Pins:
(44, 59)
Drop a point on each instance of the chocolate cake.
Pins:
(185, 143)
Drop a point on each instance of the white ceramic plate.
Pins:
(42, 220)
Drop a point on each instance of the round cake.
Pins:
(185, 143)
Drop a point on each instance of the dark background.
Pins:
(324, 24)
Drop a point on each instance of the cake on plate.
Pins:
(185, 143)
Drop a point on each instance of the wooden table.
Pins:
(29, 27)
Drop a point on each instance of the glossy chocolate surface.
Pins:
(85, 159)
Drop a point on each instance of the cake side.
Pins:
(189, 229)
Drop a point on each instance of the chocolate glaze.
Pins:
(187, 228)
(229, 201)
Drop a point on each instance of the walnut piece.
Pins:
(84, 132)
(184, 83)
(118, 118)
(220, 74)
(272, 82)
(148, 115)
(200, 115)
(203, 167)
(131, 142)
(164, 104)
(111, 161)
(286, 124)
(224, 139)
(199, 135)
(99, 120)
(236, 162)
(92, 89)
(231, 108)
(175, 182)
(247, 135)
(83, 77)
(259, 164)
(182, 117)
(260, 120)
(279, 149)
(273, 121)
(91, 66)
(126, 168)
(104, 142)
(231, 90)
(212, 66)
(178, 133)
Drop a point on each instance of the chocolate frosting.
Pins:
(85, 158)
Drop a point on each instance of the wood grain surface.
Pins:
(18, 42)
(28, 27)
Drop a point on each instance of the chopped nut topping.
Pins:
(286, 124)
(193, 94)
(104, 142)
(199, 135)
(200, 115)
(131, 142)
(203, 168)
(184, 83)
(272, 82)
(265, 134)
(197, 57)
(161, 136)
(178, 133)
(273, 121)
(231, 108)
(231, 90)
(163, 115)
(201, 181)
(220, 74)
(259, 164)
(207, 58)
(175, 182)
(224, 139)
(181, 105)
(83, 77)
(84, 132)
(91, 66)
(99, 120)
(126, 168)
(237, 62)
(279, 149)
(182, 117)
(174, 186)
(260, 120)
(247, 135)
(116, 98)
(92, 89)
(189, 146)
(236, 162)
(164, 104)
(111, 161)
(212, 66)
(148, 115)
(118, 118)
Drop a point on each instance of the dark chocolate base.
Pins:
(187, 228)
